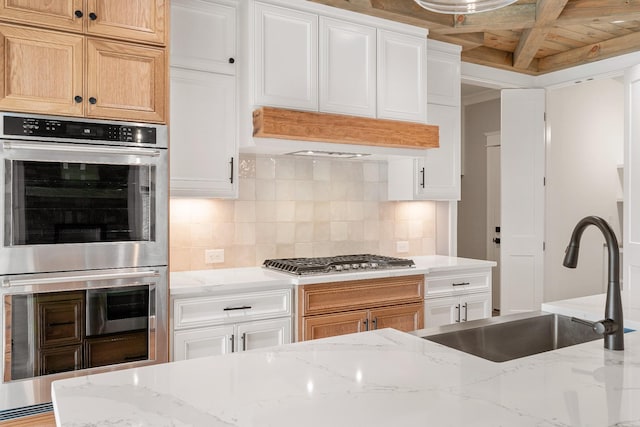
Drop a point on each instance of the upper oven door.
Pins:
(77, 207)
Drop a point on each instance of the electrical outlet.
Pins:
(402, 247)
(214, 256)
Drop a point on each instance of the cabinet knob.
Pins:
(93, 16)
(231, 60)
(78, 14)
(78, 99)
(92, 100)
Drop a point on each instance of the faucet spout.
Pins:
(613, 335)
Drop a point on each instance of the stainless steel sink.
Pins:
(512, 336)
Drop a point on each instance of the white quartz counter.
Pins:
(379, 378)
(229, 279)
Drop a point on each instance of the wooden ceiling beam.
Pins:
(590, 53)
(514, 17)
(585, 11)
(495, 58)
(532, 39)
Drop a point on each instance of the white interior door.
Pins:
(631, 227)
(522, 140)
(493, 213)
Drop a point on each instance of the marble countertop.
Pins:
(229, 279)
(378, 378)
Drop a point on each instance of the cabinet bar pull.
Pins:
(458, 310)
(375, 323)
(54, 324)
(134, 358)
(232, 338)
(465, 312)
(423, 179)
(366, 324)
(244, 341)
(244, 307)
(231, 177)
(460, 284)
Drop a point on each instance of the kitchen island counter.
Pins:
(377, 378)
(253, 278)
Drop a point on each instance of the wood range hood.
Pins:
(278, 123)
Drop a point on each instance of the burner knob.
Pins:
(355, 266)
(364, 265)
(374, 265)
(337, 267)
(346, 266)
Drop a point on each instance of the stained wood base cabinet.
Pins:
(339, 308)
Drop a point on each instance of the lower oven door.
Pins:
(60, 323)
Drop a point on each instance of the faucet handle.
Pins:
(602, 327)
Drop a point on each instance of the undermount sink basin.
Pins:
(512, 336)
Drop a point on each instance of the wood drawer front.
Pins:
(117, 348)
(354, 294)
(448, 285)
(202, 311)
(60, 359)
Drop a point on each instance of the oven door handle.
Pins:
(80, 278)
(70, 148)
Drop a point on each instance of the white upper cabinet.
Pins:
(286, 55)
(203, 36)
(443, 65)
(309, 56)
(402, 77)
(347, 68)
(203, 134)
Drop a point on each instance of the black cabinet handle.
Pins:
(231, 60)
(78, 99)
(92, 100)
(422, 183)
(243, 337)
(244, 307)
(78, 14)
(460, 284)
(232, 338)
(466, 308)
(132, 358)
(54, 324)
(375, 323)
(231, 177)
(93, 16)
(366, 324)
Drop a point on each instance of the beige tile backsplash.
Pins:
(299, 207)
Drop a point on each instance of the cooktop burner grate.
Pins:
(336, 264)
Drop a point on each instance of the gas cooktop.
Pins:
(336, 264)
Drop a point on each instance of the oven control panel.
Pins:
(45, 128)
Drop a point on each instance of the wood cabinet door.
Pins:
(60, 319)
(59, 359)
(265, 333)
(203, 121)
(331, 325)
(408, 317)
(31, 60)
(139, 20)
(125, 81)
(60, 14)
(202, 342)
(116, 348)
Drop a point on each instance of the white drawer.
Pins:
(215, 310)
(442, 285)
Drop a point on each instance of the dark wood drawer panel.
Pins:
(60, 359)
(60, 319)
(117, 348)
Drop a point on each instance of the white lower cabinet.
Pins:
(218, 324)
(457, 296)
(448, 310)
(217, 340)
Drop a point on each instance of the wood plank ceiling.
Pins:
(529, 36)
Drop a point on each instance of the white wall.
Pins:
(584, 147)
(479, 119)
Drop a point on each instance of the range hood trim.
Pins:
(278, 123)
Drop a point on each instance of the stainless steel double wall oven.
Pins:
(83, 254)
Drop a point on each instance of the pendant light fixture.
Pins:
(463, 6)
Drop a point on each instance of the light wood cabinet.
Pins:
(61, 73)
(338, 308)
(133, 20)
(125, 81)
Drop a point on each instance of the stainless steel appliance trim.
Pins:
(79, 148)
(97, 322)
(79, 277)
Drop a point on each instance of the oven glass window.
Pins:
(58, 202)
